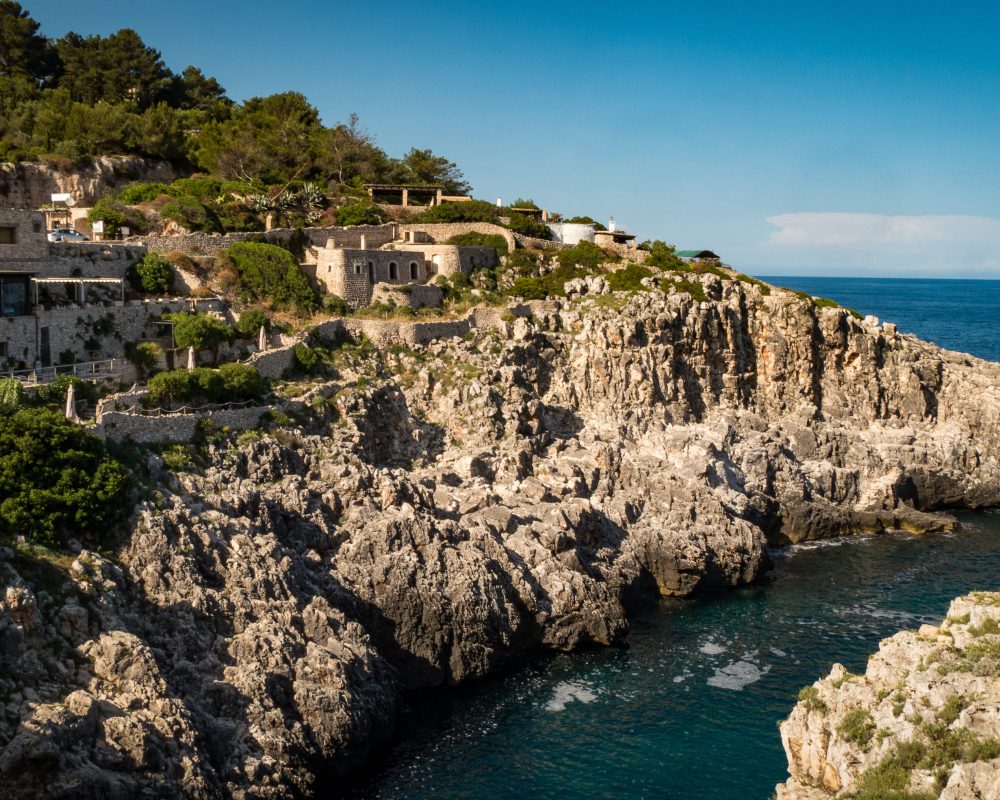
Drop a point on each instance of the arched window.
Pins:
(393, 271)
(414, 271)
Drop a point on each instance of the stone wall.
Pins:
(75, 329)
(441, 232)
(22, 236)
(86, 260)
(412, 295)
(538, 244)
(272, 364)
(120, 426)
(208, 243)
(30, 184)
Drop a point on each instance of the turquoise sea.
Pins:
(689, 709)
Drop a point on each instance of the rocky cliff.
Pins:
(31, 184)
(428, 515)
(922, 722)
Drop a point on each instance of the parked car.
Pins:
(66, 235)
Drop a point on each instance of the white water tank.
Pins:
(571, 232)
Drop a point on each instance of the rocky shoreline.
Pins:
(922, 722)
(433, 514)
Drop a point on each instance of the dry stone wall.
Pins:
(411, 295)
(120, 426)
(442, 231)
(208, 243)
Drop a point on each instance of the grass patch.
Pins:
(988, 626)
(809, 697)
(857, 727)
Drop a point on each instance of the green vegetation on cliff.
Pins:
(57, 482)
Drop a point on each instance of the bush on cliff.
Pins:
(360, 213)
(473, 239)
(57, 482)
(200, 331)
(587, 255)
(229, 383)
(151, 275)
(190, 213)
(269, 273)
(628, 279)
(529, 226)
(250, 322)
(469, 211)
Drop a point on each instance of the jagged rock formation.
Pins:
(922, 722)
(435, 513)
(31, 184)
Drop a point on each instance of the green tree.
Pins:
(422, 166)
(200, 331)
(192, 89)
(57, 481)
(250, 322)
(145, 356)
(27, 58)
(347, 152)
(152, 275)
(269, 139)
(119, 68)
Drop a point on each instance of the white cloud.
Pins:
(950, 244)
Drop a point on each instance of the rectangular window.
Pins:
(8, 234)
(13, 297)
(3, 350)
(36, 227)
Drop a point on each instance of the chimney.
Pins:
(364, 242)
(612, 227)
(499, 202)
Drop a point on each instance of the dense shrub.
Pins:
(473, 239)
(144, 192)
(191, 213)
(585, 254)
(306, 358)
(333, 304)
(250, 322)
(115, 214)
(268, 272)
(628, 279)
(360, 213)
(11, 395)
(529, 288)
(664, 256)
(469, 211)
(145, 356)
(57, 481)
(587, 221)
(200, 331)
(151, 275)
(54, 393)
(529, 226)
(230, 382)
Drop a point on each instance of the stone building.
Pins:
(353, 273)
(22, 236)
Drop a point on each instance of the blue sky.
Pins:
(806, 137)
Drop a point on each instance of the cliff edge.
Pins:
(431, 513)
(922, 722)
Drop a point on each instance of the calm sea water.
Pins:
(689, 709)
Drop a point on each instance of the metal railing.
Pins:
(88, 370)
(170, 412)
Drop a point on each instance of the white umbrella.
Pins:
(71, 402)
(192, 362)
(262, 339)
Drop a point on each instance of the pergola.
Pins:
(433, 193)
(80, 283)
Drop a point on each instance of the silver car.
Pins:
(66, 235)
